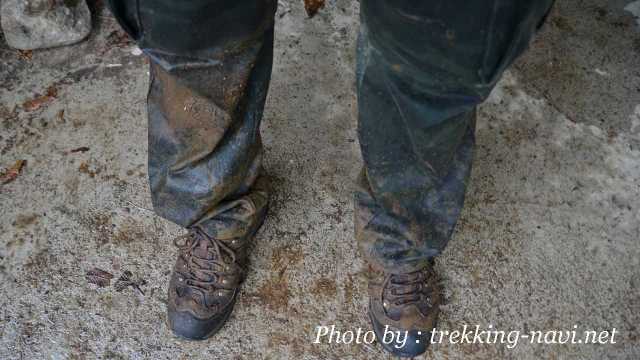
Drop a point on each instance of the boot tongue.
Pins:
(202, 250)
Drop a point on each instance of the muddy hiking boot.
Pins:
(404, 304)
(205, 283)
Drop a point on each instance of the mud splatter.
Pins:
(349, 289)
(286, 256)
(102, 224)
(325, 287)
(127, 233)
(274, 294)
(23, 221)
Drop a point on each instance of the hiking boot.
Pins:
(205, 283)
(407, 303)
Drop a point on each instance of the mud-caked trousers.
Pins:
(422, 68)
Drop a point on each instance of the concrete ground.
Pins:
(549, 237)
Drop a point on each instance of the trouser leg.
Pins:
(423, 67)
(210, 71)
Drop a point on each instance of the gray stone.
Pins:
(35, 24)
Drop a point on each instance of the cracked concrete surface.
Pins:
(549, 236)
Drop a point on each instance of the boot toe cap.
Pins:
(415, 343)
(188, 326)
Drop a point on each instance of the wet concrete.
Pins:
(548, 237)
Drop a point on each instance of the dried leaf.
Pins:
(10, 174)
(39, 101)
(118, 38)
(80, 149)
(99, 277)
(312, 6)
(26, 54)
(127, 280)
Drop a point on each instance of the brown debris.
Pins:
(99, 277)
(84, 168)
(60, 115)
(127, 280)
(118, 38)
(10, 174)
(80, 149)
(312, 6)
(39, 101)
(25, 54)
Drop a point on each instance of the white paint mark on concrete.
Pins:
(634, 8)
(136, 51)
(601, 72)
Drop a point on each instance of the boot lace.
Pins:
(406, 289)
(203, 274)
